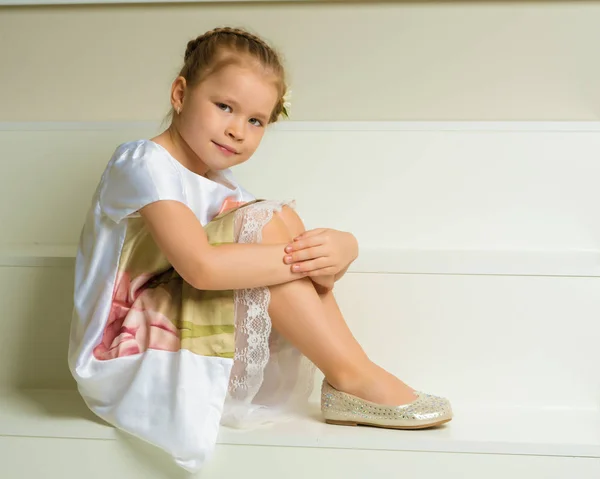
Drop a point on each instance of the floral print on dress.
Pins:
(134, 322)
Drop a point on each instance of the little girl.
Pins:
(197, 304)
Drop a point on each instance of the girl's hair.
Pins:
(220, 47)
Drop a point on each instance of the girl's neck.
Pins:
(172, 141)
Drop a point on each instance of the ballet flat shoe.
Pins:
(347, 410)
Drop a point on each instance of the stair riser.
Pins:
(437, 185)
(514, 340)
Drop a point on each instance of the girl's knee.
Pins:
(276, 231)
(282, 227)
(292, 221)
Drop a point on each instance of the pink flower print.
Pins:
(133, 323)
(229, 204)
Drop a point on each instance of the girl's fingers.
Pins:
(309, 233)
(312, 265)
(305, 254)
(304, 243)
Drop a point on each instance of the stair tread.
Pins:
(562, 260)
(492, 430)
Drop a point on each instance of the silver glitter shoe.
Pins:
(346, 410)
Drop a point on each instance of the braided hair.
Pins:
(217, 48)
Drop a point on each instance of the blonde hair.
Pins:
(215, 49)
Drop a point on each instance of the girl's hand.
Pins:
(321, 252)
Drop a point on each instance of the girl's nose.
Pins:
(235, 131)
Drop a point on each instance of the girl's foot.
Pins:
(347, 410)
(376, 385)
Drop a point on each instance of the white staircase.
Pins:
(479, 280)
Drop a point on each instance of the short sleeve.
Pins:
(139, 174)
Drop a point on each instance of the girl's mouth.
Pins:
(225, 149)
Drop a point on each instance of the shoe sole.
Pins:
(353, 423)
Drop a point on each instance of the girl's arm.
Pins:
(182, 239)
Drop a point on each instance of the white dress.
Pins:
(140, 363)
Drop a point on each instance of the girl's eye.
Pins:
(255, 122)
(223, 106)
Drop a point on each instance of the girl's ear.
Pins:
(178, 89)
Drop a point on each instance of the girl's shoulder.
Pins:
(140, 152)
(139, 172)
(140, 161)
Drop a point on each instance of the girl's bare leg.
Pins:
(315, 325)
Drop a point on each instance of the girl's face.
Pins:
(223, 119)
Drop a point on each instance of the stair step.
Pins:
(481, 430)
(97, 459)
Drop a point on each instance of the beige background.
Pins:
(347, 61)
